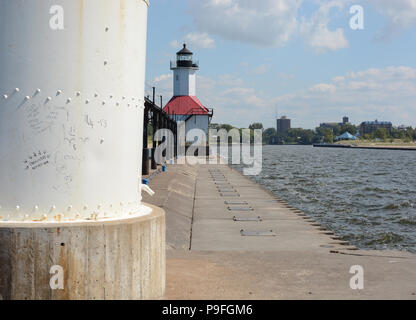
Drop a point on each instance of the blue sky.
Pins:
(300, 58)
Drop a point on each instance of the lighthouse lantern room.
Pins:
(184, 105)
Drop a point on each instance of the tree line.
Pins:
(324, 134)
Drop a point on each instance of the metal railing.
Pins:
(174, 65)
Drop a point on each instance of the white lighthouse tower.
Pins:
(184, 73)
(184, 105)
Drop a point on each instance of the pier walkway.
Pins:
(228, 238)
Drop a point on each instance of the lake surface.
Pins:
(365, 196)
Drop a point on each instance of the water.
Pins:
(367, 197)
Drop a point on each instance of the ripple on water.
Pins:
(365, 196)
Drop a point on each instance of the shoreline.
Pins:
(347, 146)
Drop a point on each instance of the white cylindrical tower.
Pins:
(71, 108)
(184, 73)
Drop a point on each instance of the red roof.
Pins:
(185, 105)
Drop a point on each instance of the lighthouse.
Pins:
(184, 105)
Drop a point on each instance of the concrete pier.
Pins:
(228, 238)
(100, 260)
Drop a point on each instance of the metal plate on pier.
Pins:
(240, 208)
(231, 194)
(235, 202)
(270, 233)
(248, 219)
(220, 189)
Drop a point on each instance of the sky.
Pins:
(298, 58)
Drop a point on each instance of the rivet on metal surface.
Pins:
(78, 93)
(105, 63)
(96, 95)
(36, 208)
(5, 96)
(17, 208)
(59, 92)
(103, 102)
(53, 208)
(68, 100)
(117, 104)
(69, 208)
(16, 89)
(38, 90)
(87, 101)
(48, 99)
(27, 98)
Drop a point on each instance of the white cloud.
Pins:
(316, 33)
(196, 40)
(399, 12)
(264, 23)
(262, 69)
(323, 87)
(162, 77)
(384, 94)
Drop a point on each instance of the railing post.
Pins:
(155, 128)
(145, 157)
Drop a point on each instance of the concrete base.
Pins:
(117, 259)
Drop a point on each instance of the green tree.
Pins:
(268, 135)
(381, 133)
(328, 136)
(255, 126)
(348, 128)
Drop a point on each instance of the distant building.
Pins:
(345, 120)
(369, 127)
(330, 125)
(283, 125)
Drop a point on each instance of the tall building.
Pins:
(345, 120)
(368, 127)
(283, 125)
(184, 105)
(330, 125)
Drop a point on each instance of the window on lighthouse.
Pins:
(185, 58)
